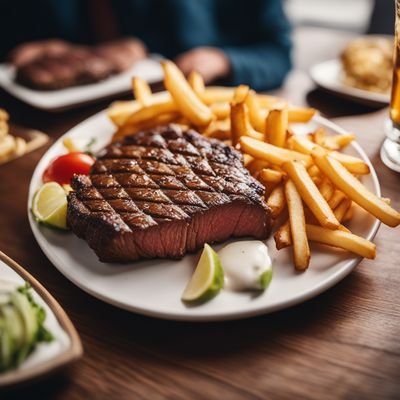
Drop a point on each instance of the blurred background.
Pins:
(359, 16)
(262, 43)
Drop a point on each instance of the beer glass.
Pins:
(390, 151)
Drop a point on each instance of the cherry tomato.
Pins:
(64, 167)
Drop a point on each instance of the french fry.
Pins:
(276, 168)
(326, 189)
(20, 147)
(130, 129)
(276, 201)
(180, 120)
(296, 114)
(355, 190)
(184, 97)
(283, 236)
(317, 180)
(349, 214)
(69, 144)
(240, 93)
(257, 117)
(310, 137)
(319, 136)
(4, 128)
(256, 166)
(309, 216)
(342, 228)
(4, 115)
(217, 94)
(247, 159)
(240, 124)
(337, 197)
(343, 140)
(353, 164)
(301, 249)
(303, 144)
(269, 102)
(221, 110)
(341, 209)
(314, 171)
(141, 91)
(7, 146)
(310, 194)
(120, 111)
(268, 152)
(145, 114)
(196, 81)
(219, 129)
(338, 141)
(341, 239)
(268, 176)
(276, 127)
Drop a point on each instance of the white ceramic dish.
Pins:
(47, 357)
(154, 287)
(58, 100)
(326, 75)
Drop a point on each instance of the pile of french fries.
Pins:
(306, 175)
(10, 146)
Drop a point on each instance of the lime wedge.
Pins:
(265, 279)
(208, 278)
(50, 205)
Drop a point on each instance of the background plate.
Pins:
(326, 75)
(57, 100)
(154, 287)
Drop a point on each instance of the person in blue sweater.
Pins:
(231, 41)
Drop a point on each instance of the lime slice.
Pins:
(50, 205)
(265, 279)
(208, 278)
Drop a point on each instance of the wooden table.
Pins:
(342, 344)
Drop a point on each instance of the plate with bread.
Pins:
(363, 72)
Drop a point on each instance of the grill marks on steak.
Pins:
(163, 193)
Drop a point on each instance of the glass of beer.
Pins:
(390, 151)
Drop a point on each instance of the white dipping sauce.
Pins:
(244, 263)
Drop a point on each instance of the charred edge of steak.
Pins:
(162, 193)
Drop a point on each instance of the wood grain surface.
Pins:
(344, 344)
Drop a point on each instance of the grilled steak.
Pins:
(163, 193)
(76, 66)
(29, 51)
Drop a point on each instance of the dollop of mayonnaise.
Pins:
(246, 264)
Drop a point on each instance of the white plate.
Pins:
(327, 75)
(57, 100)
(65, 346)
(154, 287)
